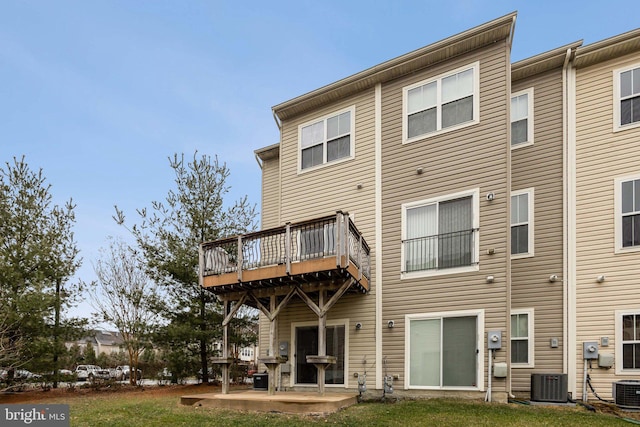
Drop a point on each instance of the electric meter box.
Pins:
(494, 340)
(500, 369)
(590, 350)
(605, 360)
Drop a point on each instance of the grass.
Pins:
(149, 409)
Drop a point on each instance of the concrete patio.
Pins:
(283, 402)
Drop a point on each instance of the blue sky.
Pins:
(100, 93)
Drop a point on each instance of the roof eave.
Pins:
(542, 62)
(269, 152)
(467, 41)
(607, 49)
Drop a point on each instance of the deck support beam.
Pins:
(322, 341)
(321, 360)
(225, 347)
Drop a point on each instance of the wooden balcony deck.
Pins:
(315, 254)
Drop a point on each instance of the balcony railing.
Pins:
(440, 251)
(322, 238)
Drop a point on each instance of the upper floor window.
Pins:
(522, 223)
(627, 97)
(522, 118)
(440, 235)
(327, 140)
(627, 213)
(443, 103)
(631, 213)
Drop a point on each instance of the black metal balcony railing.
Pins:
(320, 238)
(440, 251)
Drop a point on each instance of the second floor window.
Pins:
(522, 222)
(441, 103)
(440, 234)
(630, 193)
(522, 118)
(629, 96)
(326, 140)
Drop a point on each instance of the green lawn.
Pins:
(151, 409)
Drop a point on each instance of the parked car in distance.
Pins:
(124, 373)
(91, 372)
(18, 375)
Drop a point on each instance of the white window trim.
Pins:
(476, 103)
(618, 343)
(352, 140)
(530, 252)
(480, 333)
(617, 200)
(530, 128)
(616, 100)
(531, 338)
(475, 203)
(293, 358)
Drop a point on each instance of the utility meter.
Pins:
(283, 349)
(494, 339)
(590, 350)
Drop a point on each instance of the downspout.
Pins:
(508, 223)
(565, 257)
(569, 282)
(378, 236)
(277, 120)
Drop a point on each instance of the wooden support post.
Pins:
(360, 250)
(273, 346)
(240, 261)
(225, 348)
(337, 238)
(287, 248)
(201, 265)
(322, 341)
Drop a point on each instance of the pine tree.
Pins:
(169, 235)
(38, 256)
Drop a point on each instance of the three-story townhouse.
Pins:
(450, 223)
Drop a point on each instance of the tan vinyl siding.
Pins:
(270, 193)
(323, 191)
(326, 189)
(464, 159)
(602, 156)
(270, 217)
(540, 166)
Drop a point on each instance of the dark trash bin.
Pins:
(261, 381)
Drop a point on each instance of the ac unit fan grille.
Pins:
(626, 393)
(549, 388)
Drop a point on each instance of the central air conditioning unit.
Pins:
(549, 388)
(626, 393)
